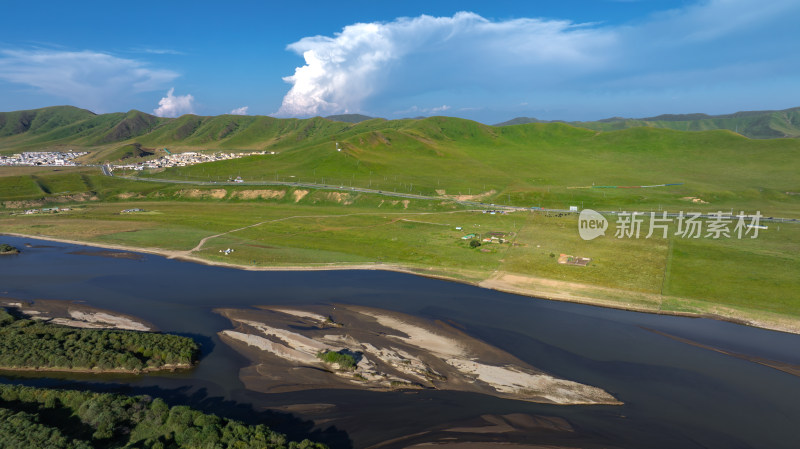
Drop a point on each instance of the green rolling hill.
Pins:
(525, 164)
(349, 118)
(753, 124)
(57, 126)
(40, 121)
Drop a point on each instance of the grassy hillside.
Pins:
(753, 124)
(349, 118)
(67, 126)
(538, 164)
(134, 124)
(40, 121)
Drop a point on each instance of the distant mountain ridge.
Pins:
(525, 121)
(110, 135)
(349, 118)
(753, 124)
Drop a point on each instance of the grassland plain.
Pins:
(547, 165)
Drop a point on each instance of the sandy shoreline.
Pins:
(74, 314)
(169, 368)
(81, 316)
(787, 325)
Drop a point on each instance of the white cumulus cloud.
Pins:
(89, 79)
(240, 111)
(466, 59)
(174, 106)
(412, 55)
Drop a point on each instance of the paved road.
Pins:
(489, 206)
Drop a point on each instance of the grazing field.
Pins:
(756, 274)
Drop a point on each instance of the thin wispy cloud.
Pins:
(423, 111)
(88, 79)
(159, 51)
(240, 111)
(367, 65)
(174, 105)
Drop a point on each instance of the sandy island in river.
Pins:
(69, 313)
(390, 350)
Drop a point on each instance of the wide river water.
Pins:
(676, 395)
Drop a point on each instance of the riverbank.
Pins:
(165, 368)
(60, 336)
(6, 250)
(73, 314)
(525, 285)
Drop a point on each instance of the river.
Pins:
(675, 394)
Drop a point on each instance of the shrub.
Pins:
(345, 361)
(6, 248)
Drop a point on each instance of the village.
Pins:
(46, 210)
(67, 159)
(184, 159)
(43, 158)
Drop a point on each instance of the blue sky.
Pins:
(486, 61)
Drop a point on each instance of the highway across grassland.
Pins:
(493, 206)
